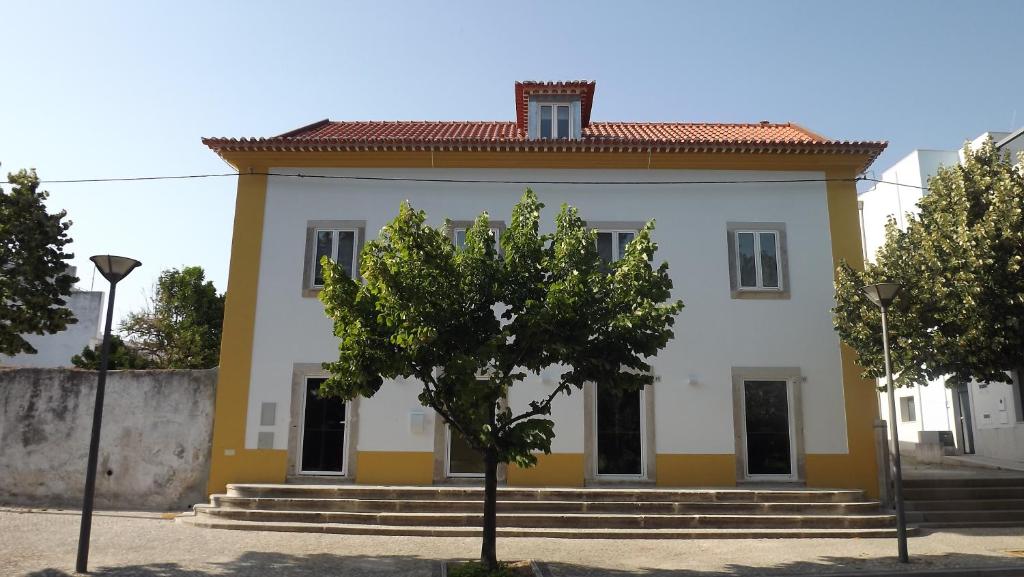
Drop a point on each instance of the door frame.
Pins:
(302, 436)
(794, 381)
(301, 372)
(647, 470)
(448, 458)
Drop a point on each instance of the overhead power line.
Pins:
(473, 180)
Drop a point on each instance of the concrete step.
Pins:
(968, 525)
(962, 493)
(557, 520)
(467, 506)
(522, 494)
(963, 482)
(560, 533)
(967, 505)
(956, 518)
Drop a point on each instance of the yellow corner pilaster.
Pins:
(858, 468)
(230, 461)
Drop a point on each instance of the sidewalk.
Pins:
(35, 543)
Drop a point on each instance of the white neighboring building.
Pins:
(985, 419)
(57, 349)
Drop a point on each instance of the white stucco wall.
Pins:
(57, 349)
(713, 334)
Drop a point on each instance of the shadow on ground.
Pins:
(258, 564)
(255, 564)
(824, 566)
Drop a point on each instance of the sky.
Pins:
(121, 89)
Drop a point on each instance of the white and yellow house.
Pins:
(753, 219)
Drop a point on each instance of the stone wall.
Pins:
(154, 445)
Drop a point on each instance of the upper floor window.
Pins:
(338, 240)
(611, 244)
(757, 259)
(460, 237)
(555, 121)
(338, 245)
(758, 265)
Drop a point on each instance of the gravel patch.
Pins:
(42, 543)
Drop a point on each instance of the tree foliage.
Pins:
(181, 328)
(959, 260)
(122, 357)
(34, 275)
(470, 323)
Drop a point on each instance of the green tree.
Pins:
(959, 260)
(181, 328)
(470, 323)
(122, 356)
(34, 275)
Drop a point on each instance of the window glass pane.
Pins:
(745, 255)
(563, 121)
(604, 246)
(624, 239)
(346, 245)
(769, 260)
(460, 238)
(324, 240)
(545, 122)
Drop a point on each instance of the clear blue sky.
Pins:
(99, 89)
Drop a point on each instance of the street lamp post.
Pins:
(882, 294)
(113, 268)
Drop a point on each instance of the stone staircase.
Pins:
(965, 502)
(619, 513)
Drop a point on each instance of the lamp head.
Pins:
(883, 293)
(114, 268)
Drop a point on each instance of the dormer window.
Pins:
(553, 110)
(555, 121)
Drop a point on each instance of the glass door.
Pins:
(323, 437)
(620, 426)
(768, 429)
(461, 460)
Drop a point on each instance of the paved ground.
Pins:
(38, 543)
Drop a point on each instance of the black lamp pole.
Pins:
(113, 268)
(883, 294)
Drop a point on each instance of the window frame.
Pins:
(497, 226)
(465, 229)
(615, 232)
(908, 409)
(313, 227)
(570, 128)
(778, 229)
(758, 264)
(334, 251)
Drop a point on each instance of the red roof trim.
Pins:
(767, 138)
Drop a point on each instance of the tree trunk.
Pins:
(488, 549)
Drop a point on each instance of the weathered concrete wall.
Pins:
(154, 445)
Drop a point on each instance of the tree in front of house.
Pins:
(122, 357)
(34, 279)
(961, 310)
(181, 327)
(470, 323)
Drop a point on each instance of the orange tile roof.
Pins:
(762, 137)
